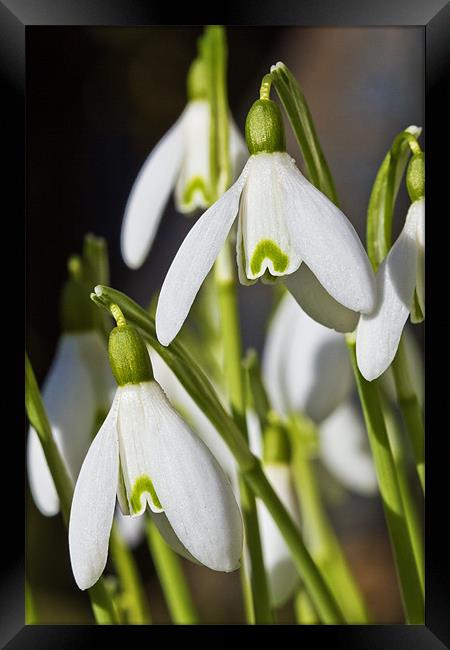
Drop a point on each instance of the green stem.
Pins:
(318, 590)
(133, 597)
(232, 351)
(304, 611)
(322, 541)
(31, 609)
(390, 493)
(410, 408)
(411, 514)
(171, 577)
(193, 379)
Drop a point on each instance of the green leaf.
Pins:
(302, 124)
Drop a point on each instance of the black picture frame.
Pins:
(16, 16)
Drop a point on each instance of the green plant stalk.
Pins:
(232, 352)
(133, 598)
(31, 609)
(304, 611)
(199, 388)
(323, 543)
(390, 493)
(102, 605)
(409, 505)
(299, 115)
(170, 574)
(410, 408)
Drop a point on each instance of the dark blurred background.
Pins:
(98, 100)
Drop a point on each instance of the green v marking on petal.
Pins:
(196, 184)
(267, 248)
(141, 485)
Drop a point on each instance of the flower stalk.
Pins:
(170, 573)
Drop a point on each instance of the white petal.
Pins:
(318, 303)
(379, 333)
(255, 439)
(281, 570)
(327, 241)
(193, 262)
(192, 414)
(345, 450)
(131, 528)
(149, 195)
(94, 353)
(420, 237)
(305, 365)
(93, 504)
(135, 450)
(41, 482)
(267, 243)
(167, 533)
(196, 496)
(68, 397)
(193, 186)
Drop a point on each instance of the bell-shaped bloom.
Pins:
(345, 451)
(180, 161)
(77, 386)
(305, 365)
(145, 454)
(282, 575)
(400, 274)
(286, 227)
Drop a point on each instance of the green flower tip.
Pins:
(142, 485)
(128, 355)
(264, 130)
(415, 177)
(197, 80)
(268, 249)
(276, 447)
(76, 310)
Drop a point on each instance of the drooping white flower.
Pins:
(77, 386)
(399, 275)
(180, 161)
(145, 454)
(281, 571)
(286, 227)
(345, 451)
(306, 369)
(305, 365)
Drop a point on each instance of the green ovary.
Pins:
(196, 184)
(267, 249)
(141, 485)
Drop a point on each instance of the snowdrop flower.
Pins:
(399, 278)
(305, 365)
(286, 228)
(76, 388)
(180, 160)
(145, 454)
(345, 450)
(306, 369)
(273, 448)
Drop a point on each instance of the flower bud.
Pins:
(128, 356)
(415, 177)
(77, 314)
(264, 130)
(276, 447)
(197, 87)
